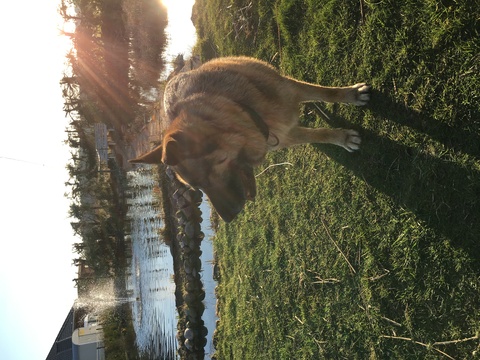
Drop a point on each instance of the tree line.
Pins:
(115, 60)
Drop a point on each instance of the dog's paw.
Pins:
(352, 140)
(362, 94)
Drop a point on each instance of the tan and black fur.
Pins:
(227, 114)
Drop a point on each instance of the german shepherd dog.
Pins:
(227, 114)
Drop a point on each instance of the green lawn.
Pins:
(371, 255)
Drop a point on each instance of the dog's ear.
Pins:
(180, 146)
(152, 157)
(177, 148)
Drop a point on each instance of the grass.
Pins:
(371, 255)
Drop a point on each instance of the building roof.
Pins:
(62, 346)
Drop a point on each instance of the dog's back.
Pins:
(242, 80)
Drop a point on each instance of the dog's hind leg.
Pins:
(358, 94)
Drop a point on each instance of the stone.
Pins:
(190, 229)
(188, 334)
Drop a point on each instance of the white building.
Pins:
(87, 341)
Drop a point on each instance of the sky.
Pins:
(36, 272)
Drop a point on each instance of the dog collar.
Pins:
(257, 119)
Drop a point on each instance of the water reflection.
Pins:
(151, 272)
(209, 315)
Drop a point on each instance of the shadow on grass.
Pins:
(466, 140)
(444, 194)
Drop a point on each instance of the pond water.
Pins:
(150, 279)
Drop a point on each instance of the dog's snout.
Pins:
(227, 202)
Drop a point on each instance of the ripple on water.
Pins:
(154, 314)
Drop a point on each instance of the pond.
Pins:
(151, 278)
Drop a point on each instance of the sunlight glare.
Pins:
(175, 6)
(181, 32)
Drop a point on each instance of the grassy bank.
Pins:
(374, 254)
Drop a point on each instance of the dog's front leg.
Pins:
(348, 139)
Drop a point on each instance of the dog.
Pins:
(227, 114)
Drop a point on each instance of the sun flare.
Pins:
(178, 9)
(181, 32)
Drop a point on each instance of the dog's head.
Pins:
(221, 167)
